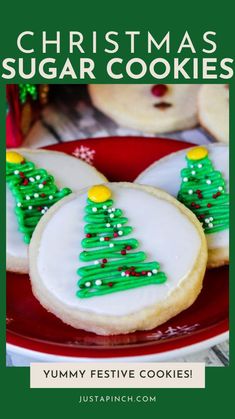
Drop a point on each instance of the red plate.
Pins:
(30, 327)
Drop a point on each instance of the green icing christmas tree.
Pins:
(115, 267)
(203, 190)
(34, 191)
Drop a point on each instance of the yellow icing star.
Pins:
(99, 193)
(14, 157)
(197, 153)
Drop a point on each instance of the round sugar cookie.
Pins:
(68, 172)
(148, 107)
(135, 261)
(213, 110)
(166, 174)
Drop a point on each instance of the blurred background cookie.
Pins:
(213, 110)
(147, 107)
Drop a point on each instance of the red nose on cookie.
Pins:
(159, 90)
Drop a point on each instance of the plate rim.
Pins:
(146, 349)
(162, 356)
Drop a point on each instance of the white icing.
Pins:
(165, 174)
(67, 171)
(164, 233)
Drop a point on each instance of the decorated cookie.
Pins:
(127, 257)
(199, 178)
(146, 107)
(213, 110)
(36, 180)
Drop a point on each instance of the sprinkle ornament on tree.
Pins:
(197, 153)
(14, 157)
(115, 266)
(99, 193)
(203, 190)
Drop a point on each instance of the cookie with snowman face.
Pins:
(35, 180)
(199, 178)
(146, 107)
(127, 257)
(213, 110)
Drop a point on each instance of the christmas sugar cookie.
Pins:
(199, 177)
(147, 107)
(36, 179)
(213, 110)
(127, 258)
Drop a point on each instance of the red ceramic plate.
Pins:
(30, 327)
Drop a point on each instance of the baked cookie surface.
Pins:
(213, 110)
(147, 107)
(166, 174)
(166, 231)
(68, 172)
